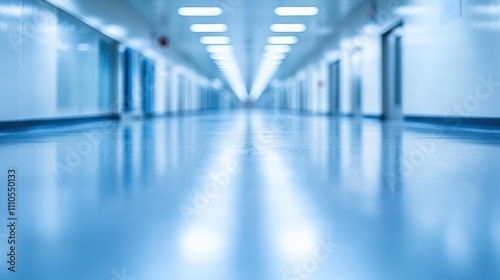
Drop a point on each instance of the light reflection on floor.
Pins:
(254, 195)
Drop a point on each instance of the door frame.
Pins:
(392, 90)
(334, 93)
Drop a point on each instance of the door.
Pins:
(355, 80)
(334, 87)
(392, 74)
(130, 65)
(106, 74)
(147, 86)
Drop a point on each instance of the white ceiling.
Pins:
(249, 26)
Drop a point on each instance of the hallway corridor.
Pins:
(256, 195)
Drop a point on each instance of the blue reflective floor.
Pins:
(254, 195)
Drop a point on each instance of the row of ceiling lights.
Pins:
(219, 47)
(278, 46)
(222, 52)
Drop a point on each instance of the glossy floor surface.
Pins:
(253, 195)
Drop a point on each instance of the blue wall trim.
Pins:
(492, 123)
(29, 124)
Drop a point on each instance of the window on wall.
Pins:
(77, 63)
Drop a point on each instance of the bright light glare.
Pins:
(278, 48)
(271, 61)
(220, 49)
(114, 31)
(215, 40)
(298, 242)
(296, 11)
(200, 11)
(208, 28)
(201, 245)
(228, 65)
(282, 40)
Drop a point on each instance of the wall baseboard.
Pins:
(491, 123)
(29, 124)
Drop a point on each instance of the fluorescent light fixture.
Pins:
(215, 40)
(292, 27)
(114, 31)
(200, 11)
(296, 11)
(220, 49)
(278, 48)
(282, 40)
(223, 56)
(208, 28)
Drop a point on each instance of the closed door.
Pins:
(334, 87)
(147, 86)
(392, 74)
(356, 87)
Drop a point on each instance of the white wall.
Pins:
(444, 60)
(50, 60)
(445, 57)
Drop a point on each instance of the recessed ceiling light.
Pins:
(215, 40)
(220, 49)
(297, 27)
(282, 40)
(200, 11)
(296, 11)
(209, 28)
(278, 48)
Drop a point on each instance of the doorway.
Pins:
(130, 80)
(392, 73)
(334, 87)
(355, 80)
(148, 81)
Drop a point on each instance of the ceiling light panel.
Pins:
(294, 27)
(282, 40)
(278, 48)
(200, 11)
(220, 49)
(223, 56)
(296, 11)
(208, 28)
(215, 40)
